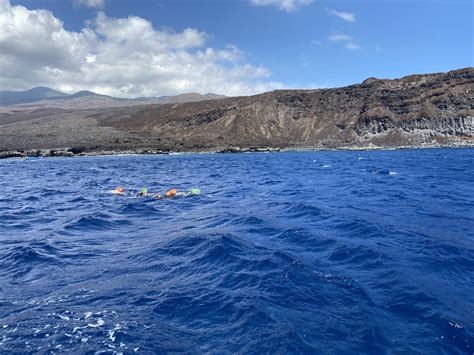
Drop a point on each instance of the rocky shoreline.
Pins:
(74, 152)
(429, 110)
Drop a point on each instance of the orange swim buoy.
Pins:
(171, 193)
(119, 191)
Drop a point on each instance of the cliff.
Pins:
(418, 110)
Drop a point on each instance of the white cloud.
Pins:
(352, 45)
(286, 5)
(346, 16)
(340, 37)
(100, 4)
(349, 40)
(124, 57)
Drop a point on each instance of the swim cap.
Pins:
(120, 189)
(195, 191)
(144, 190)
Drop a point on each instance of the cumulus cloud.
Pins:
(124, 57)
(286, 5)
(100, 4)
(346, 16)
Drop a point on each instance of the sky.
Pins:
(135, 48)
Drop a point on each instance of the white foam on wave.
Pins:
(68, 328)
(100, 322)
(455, 325)
(112, 335)
(75, 329)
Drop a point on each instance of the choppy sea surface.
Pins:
(298, 252)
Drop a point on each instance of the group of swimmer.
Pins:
(145, 193)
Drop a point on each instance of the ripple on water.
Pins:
(96, 222)
(282, 253)
(20, 258)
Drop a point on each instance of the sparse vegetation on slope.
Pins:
(433, 109)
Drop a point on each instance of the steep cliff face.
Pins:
(427, 109)
(458, 126)
(415, 110)
(419, 109)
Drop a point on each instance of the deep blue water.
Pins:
(329, 252)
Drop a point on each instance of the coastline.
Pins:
(74, 152)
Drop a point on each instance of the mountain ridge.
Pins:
(31, 95)
(417, 110)
(43, 95)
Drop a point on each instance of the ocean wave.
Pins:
(97, 222)
(279, 255)
(20, 259)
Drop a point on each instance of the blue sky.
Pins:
(281, 43)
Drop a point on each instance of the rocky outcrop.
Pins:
(458, 126)
(418, 110)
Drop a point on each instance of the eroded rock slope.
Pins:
(433, 109)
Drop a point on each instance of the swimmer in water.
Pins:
(143, 192)
(175, 193)
(169, 194)
(194, 192)
(119, 191)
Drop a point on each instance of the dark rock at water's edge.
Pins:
(415, 111)
(82, 151)
(248, 150)
(70, 152)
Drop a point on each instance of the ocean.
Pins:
(294, 252)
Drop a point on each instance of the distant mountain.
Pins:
(46, 97)
(85, 93)
(417, 110)
(32, 95)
